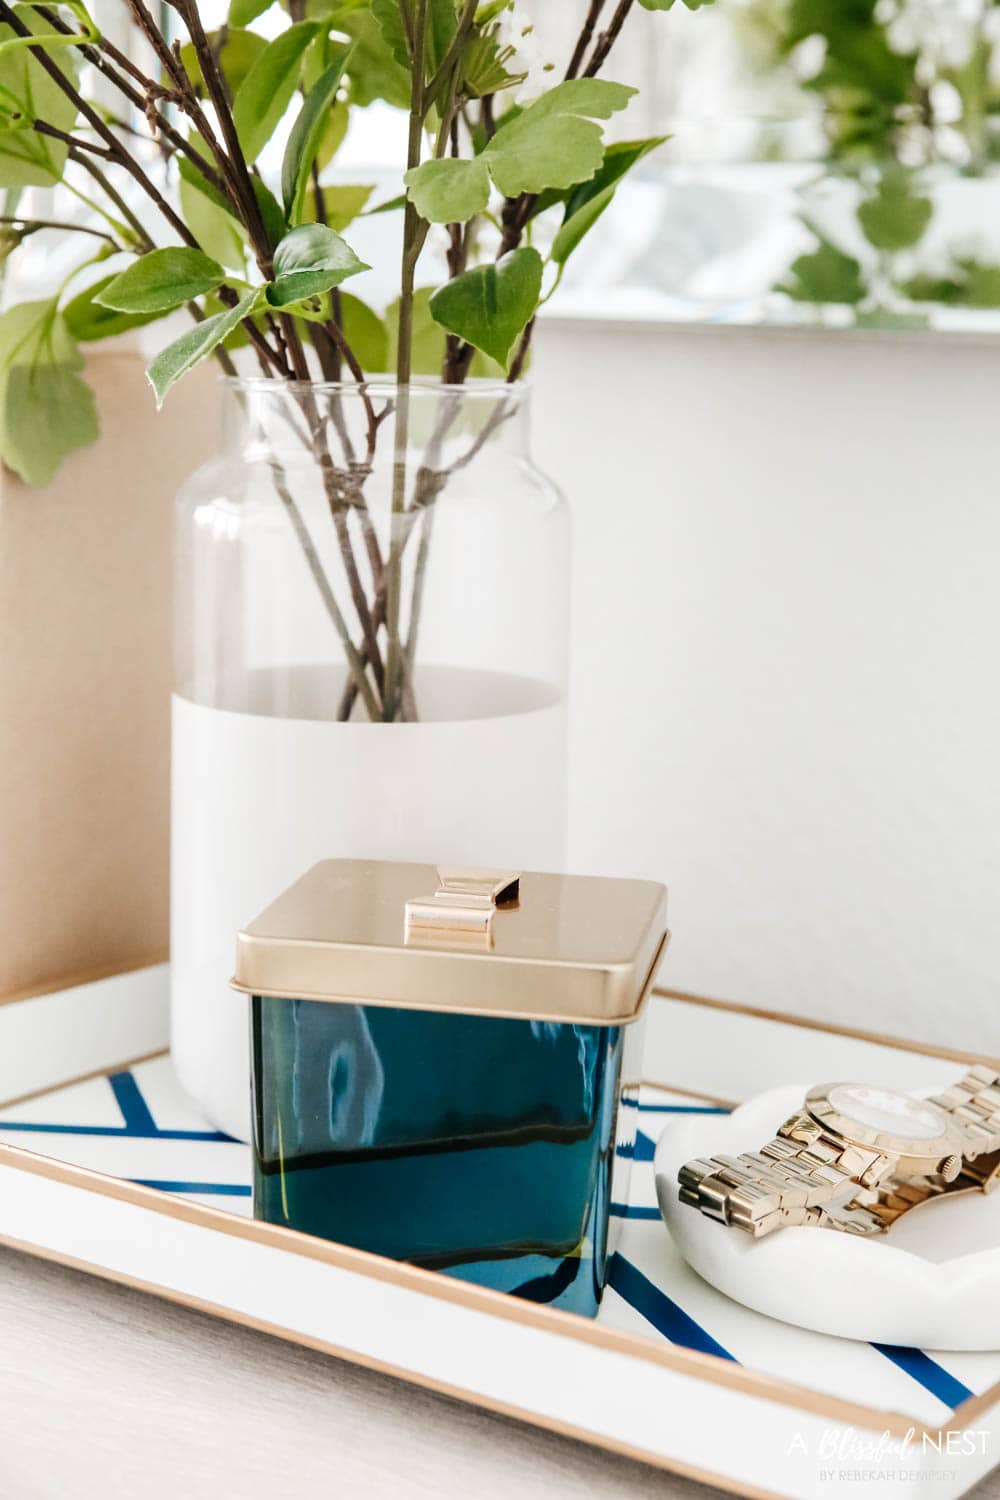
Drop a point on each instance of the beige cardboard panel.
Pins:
(85, 675)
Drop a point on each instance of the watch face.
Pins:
(888, 1112)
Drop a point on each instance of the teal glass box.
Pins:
(446, 1066)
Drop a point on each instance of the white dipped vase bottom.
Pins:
(258, 799)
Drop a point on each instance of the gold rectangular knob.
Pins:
(464, 902)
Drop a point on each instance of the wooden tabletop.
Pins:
(110, 1394)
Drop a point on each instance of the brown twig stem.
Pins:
(583, 40)
(31, 226)
(414, 234)
(113, 150)
(101, 55)
(219, 94)
(355, 664)
(607, 39)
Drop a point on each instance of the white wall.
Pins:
(785, 696)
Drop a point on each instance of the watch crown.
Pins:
(950, 1168)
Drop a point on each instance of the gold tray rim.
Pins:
(708, 1368)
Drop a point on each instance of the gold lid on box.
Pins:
(564, 948)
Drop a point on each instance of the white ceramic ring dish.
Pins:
(932, 1281)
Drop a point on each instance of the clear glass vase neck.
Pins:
(299, 420)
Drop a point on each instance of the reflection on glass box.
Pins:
(487, 1148)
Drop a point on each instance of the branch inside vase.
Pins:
(361, 568)
(417, 515)
(414, 234)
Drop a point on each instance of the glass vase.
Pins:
(371, 658)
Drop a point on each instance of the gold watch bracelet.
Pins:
(798, 1177)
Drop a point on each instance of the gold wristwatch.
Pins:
(855, 1158)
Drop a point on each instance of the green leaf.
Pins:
(491, 305)
(574, 229)
(208, 217)
(924, 287)
(896, 217)
(554, 143)
(982, 285)
(46, 410)
(27, 94)
(162, 280)
(490, 10)
(441, 27)
(449, 191)
(275, 226)
(87, 320)
(391, 205)
(860, 65)
(267, 90)
(316, 58)
(968, 283)
(345, 201)
(428, 341)
(315, 309)
(886, 318)
(365, 332)
(586, 203)
(192, 347)
(825, 275)
(210, 232)
(335, 12)
(428, 337)
(374, 72)
(237, 338)
(242, 12)
(390, 22)
(342, 201)
(442, 23)
(236, 50)
(310, 259)
(332, 139)
(306, 135)
(619, 158)
(669, 4)
(189, 172)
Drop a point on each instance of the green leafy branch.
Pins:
(259, 263)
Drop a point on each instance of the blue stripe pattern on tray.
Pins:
(197, 1189)
(137, 1124)
(928, 1372)
(659, 1309)
(135, 1110)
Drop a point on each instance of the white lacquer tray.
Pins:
(105, 1165)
